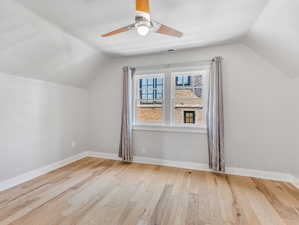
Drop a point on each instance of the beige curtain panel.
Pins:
(126, 143)
(215, 119)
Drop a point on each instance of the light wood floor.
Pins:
(105, 192)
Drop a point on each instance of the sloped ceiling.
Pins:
(59, 40)
(275, 35)
(32, 47)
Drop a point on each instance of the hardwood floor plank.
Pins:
(231, 210)
(215, 208)
(52, 195)
(96, 191)
(281, 201)
(44, 180)
(239, 186)
(264, 210)
(291, 189)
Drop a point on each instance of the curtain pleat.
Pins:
(126, 141)
(215, 118)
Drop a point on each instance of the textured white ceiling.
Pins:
(59, 40)
(204, 22)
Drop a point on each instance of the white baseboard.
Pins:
(38, 172)
(268, 175)
(153, 161)
(277, 176)
(296, 182)
(102, 155)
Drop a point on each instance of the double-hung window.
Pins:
(149, 99)
(171, 99)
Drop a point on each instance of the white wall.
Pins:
(296, 159)
(261, 112)
(38, 122)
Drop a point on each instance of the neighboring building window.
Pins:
(171, 98)
(151, 90)
(189, 117)
(183, 80)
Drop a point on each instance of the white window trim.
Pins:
(205, 93)
(136, 93)
(171, 126)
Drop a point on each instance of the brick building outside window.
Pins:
(176, 98)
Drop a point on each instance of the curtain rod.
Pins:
(171, 65)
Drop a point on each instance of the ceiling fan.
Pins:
(144, 24)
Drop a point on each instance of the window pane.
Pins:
(179, 80)
(143, 91)
(189, 117)
(159, 96)
(188, 102)
(159, 81)
(150, 82)
(186, 80)
(183, 80)
(143, 83)
(149, 108)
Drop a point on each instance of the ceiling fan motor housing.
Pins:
(143, 21)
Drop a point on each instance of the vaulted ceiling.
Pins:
(31, 46)
(203, 21)
(59, 40)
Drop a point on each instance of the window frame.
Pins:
(136, 93)
(205, 72)
(168, 123)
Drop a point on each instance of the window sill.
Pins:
(175, 129)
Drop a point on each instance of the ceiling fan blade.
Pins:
(163, 29)
(143, 6)
(120, 30)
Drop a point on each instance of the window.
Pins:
(189, 98)
(149, 94)
(170, 99)
(182, 80)
(189, 117)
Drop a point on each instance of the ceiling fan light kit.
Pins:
(144, 24)
(142, 29)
